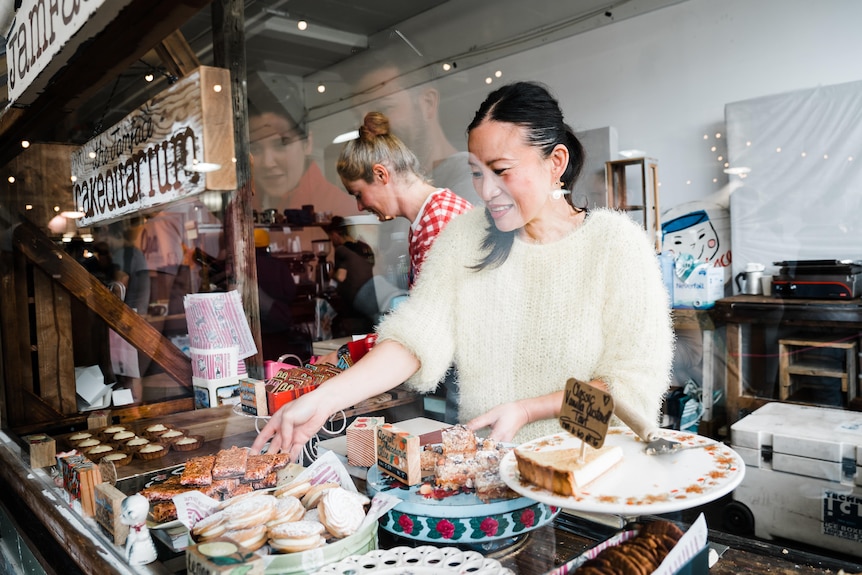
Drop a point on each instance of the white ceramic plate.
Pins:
(425, 560)
(641, 484)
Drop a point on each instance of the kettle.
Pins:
(751, 277)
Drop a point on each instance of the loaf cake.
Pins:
(560, 470)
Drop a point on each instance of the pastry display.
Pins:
(253, 511)
(561, 471)
(341, 511)
(122, 435)
(460, 458)
(137, 442)
(171, 435)
(198, 471)
(287, 509)
(297, 536)
(151, 451)
(187, 443)
(230, 463)
(118, 458)
(77, 438)
(87, 443)
(156, 429)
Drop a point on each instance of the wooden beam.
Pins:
(228, 24)
(117, 315)
(177, 56)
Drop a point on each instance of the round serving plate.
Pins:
(461, 519)
(641, 484)
(424, 560)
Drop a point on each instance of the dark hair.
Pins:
(273, 93)
(531, 106)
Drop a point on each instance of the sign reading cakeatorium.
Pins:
(178, 144)
(45, 34)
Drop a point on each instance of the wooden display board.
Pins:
(176, 145)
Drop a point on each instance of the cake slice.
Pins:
(560, 471)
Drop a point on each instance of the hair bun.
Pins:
(375, 124)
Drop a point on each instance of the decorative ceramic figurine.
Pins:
(140, 549)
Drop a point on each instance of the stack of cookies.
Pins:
(640, 555)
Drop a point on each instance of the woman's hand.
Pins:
(293, 425)
(504, 420)
(507, 419)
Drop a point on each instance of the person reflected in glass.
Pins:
(284, 173)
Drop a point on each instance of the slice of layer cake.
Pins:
(560, 471)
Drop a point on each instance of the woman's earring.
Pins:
(559, 193)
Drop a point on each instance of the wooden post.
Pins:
(228, 23)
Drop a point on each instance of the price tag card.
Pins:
(586, 412)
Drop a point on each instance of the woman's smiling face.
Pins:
(510, 175)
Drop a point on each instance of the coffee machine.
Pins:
(323, 273)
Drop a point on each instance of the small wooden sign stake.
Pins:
(585, 413)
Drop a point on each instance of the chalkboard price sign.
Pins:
(586, 412)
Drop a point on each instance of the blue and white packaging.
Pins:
(700, 289)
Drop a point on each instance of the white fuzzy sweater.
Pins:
(590, 306)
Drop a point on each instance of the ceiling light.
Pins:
(25, 144)
(321, 88)
(741, 170)
(346, 137)
(279, 27)
(488, 80)
(202, 167)
(632, 153)
(11, 179)
(217, 88)
(301, 25)
(149, 77)
(446, 66)
(498, 74)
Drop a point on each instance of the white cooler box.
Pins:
(802, 477)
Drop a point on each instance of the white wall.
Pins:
(663, 79)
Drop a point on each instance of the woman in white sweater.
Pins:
(521, 295)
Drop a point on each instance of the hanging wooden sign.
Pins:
(176, 145)
(586, 412)
(45, 34)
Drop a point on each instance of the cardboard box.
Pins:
(699, 290)
(222, 557)
(252, 396)
(91, 389)
(43, 450)
(99, 419)
(109, 501)
(80, 477)
(362, 441)
(398, 454)
(215, 392)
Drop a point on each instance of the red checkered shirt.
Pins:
(441, 206)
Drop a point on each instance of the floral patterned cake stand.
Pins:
(461, 519)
